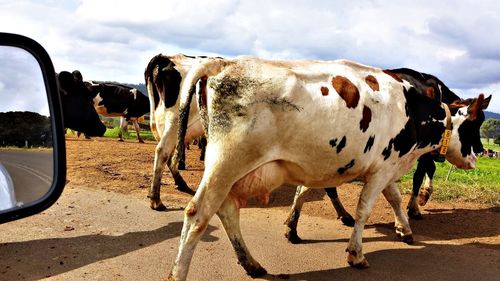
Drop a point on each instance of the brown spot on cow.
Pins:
(430, 93)
(191, 209)
(393, 75)
(367, 118)
(347, 90)
(324, 91)
(372, 82)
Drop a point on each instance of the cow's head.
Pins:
(78, 111)
(465, 139)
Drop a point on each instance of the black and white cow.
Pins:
(426, 84)
(163, 76)
(117, 100)
(78, 111)
(261, 114)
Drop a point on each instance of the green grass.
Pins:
(490, 145)
(130, 135)
(479, 185)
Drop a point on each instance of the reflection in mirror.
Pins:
(26, 153)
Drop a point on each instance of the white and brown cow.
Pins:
(312, 123)
(426, 84)
(163, 76)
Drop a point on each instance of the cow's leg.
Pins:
(213, 190)
(137, 129)
(182, 161)
(123, 125)
(161, 157)
(344, 216)
(178, 179)
(367, 198)
(426, 193)
(293, 217)
(403, 230)
(229, 214)
(202, 144)
(418, 177)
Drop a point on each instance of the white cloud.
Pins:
(114, 40)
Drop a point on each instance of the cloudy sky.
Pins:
(458, 41)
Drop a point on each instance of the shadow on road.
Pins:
(432, 262)
(37, 259)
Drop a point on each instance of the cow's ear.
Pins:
(475, 107)
(66, 80)
(78, 75)
(486, 103)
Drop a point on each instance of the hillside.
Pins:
(489, 114)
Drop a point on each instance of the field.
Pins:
(126, 167)
(481, 185)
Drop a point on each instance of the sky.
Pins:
(457, 41)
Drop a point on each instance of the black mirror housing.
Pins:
(56, 119)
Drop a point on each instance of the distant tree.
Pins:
(24, 128)
(490, 129)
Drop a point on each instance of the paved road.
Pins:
(98, 235)
(31, 172)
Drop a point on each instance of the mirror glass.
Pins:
(26, 148)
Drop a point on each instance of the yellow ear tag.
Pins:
(446, 136)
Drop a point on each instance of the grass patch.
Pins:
(130, 135)
(490, 145)
(478, 185)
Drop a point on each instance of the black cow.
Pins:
(78, 111)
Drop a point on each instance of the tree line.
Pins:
(25, 129)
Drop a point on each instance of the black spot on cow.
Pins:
(340, 145)
(424, 113)
(165, 78)
(469, 135)
(349, 165)
(333, 142)
(387, 151)
(369, 144)
(422, 128)
(406, 139)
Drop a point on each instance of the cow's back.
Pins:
(342, 113)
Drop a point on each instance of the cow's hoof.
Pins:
(414, 214)
(423, 196)
(121, 140)
(293, 237)
(157, 205)
(362, 265)
(141, 141)
(351, 257)
(408, 238)
(348, 221)
(257, 272)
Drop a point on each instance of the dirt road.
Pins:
(103, 229)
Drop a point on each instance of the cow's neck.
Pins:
(428, 118)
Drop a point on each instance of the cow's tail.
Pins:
(153, 94)
(207, 68)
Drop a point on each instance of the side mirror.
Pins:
(32, 148)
